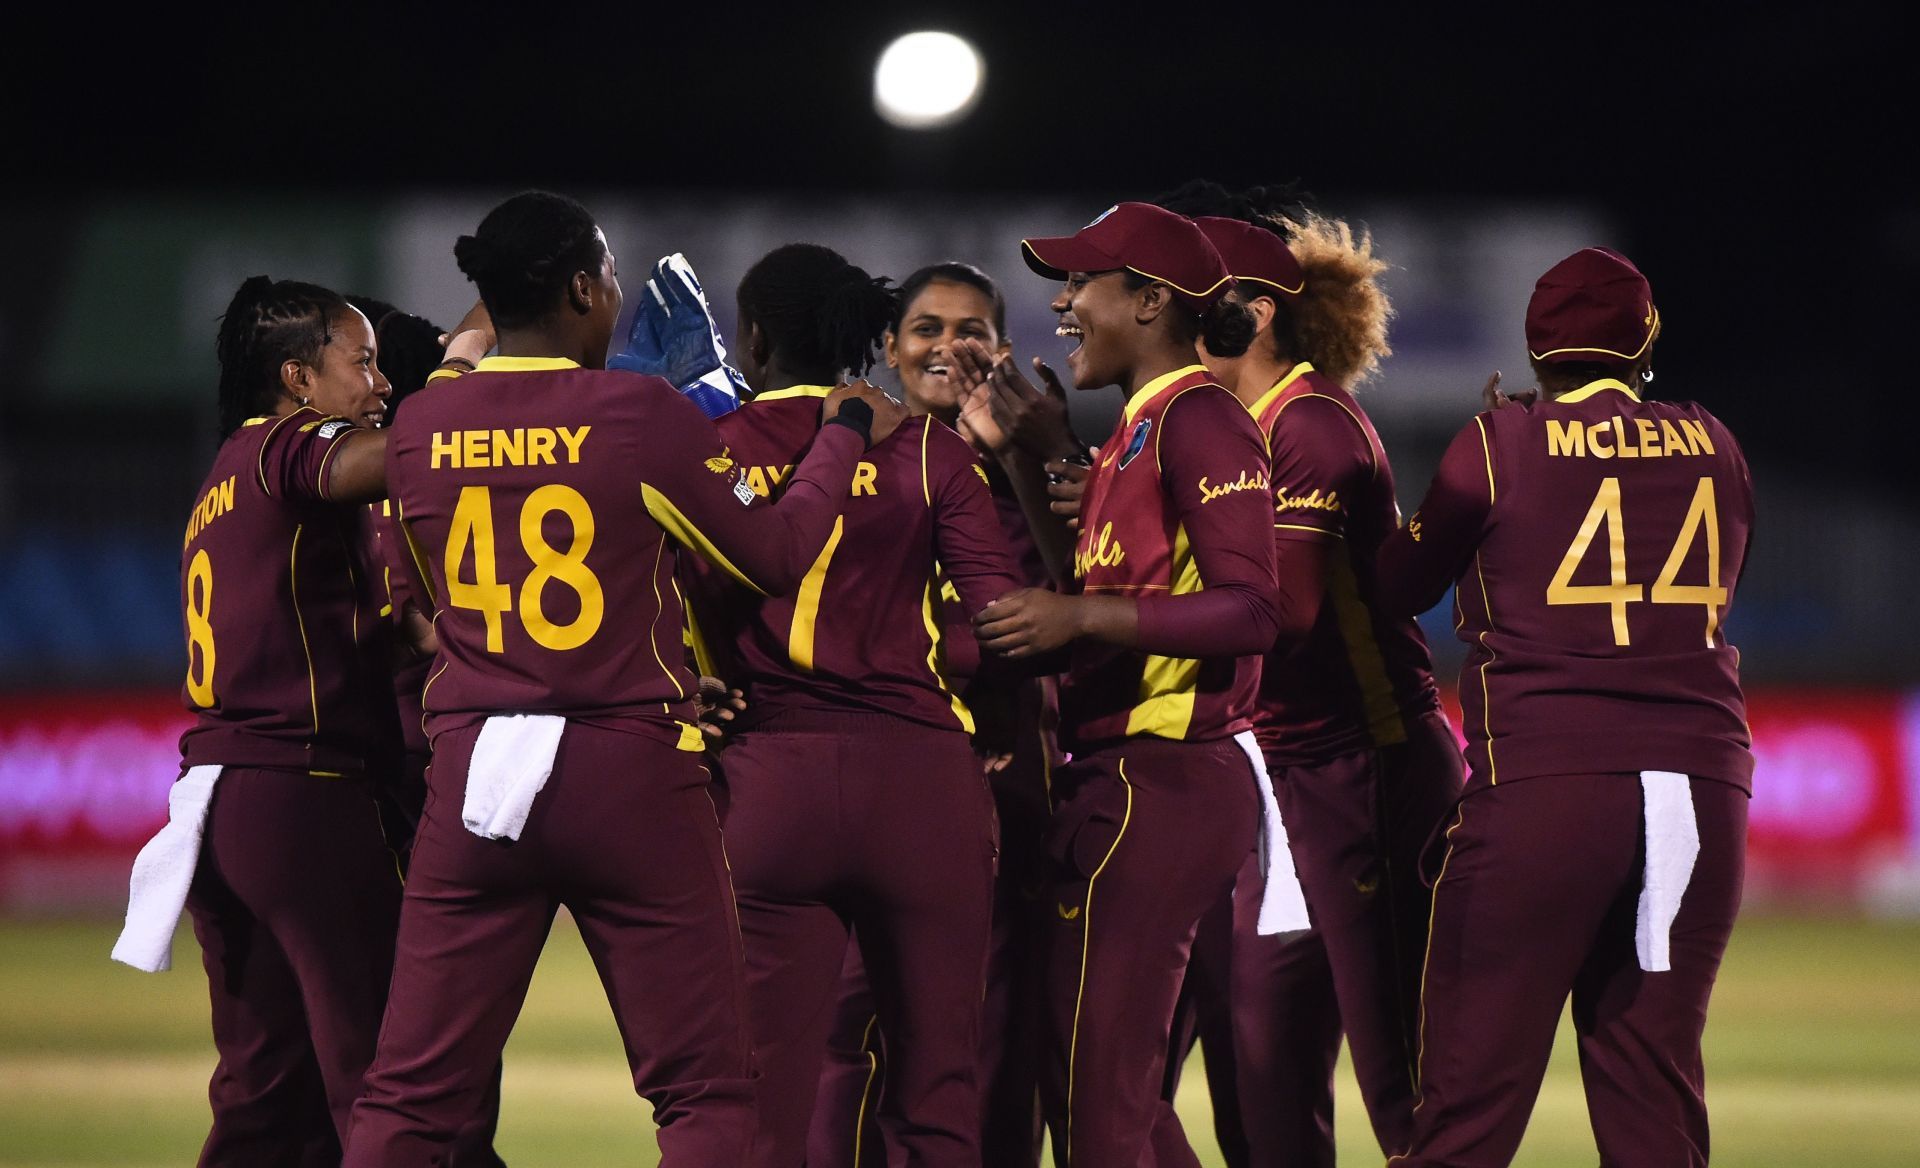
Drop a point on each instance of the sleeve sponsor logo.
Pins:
(1314, 500)
(1257, 481)
(1137, 442)
(332, 429)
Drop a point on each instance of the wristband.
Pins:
(857, 416)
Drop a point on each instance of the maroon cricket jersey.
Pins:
(1013, 525)
(1359, 676)
(382, 548)
(864, 627)
(275, 607)
(546, 506)
(962, 649)
(1596, 540)
(1178, 501)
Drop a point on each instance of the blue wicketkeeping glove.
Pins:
(673, 336)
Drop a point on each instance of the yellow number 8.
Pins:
(200, 629)
(568, 567)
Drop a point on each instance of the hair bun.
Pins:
(471, 254)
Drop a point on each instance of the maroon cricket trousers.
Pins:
(624, 834)
(1147, 836)
(1536, 899)
(1270, 1010)
(840, 820)
(294, 903)
(1264, 1012)
(845, 1132)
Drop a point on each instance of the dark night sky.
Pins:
(1753, 162)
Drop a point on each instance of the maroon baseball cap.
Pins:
(1592, 306)
(1142, 238)
(1254, 255)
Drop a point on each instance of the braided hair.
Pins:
(409, 347)
(526, 251)
(822, 314)
(268, 323)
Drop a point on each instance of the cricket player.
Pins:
(546, 502)
(1594, 538)
(854, 797)
(1173, 603)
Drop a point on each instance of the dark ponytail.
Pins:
(524, 253)
(821, 314)
(268, 323)
(1227, 328)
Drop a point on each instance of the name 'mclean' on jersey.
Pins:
(1596, 540)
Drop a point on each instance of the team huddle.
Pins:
(921, 777)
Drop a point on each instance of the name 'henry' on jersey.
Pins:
(545, 506)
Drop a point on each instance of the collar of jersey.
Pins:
(1592, 387)
(794, 391)
(523, 364)
(1299, 370)
(1151, 389)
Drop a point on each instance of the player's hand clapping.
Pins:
(1030, 419)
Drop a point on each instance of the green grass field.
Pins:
(1813, 1057)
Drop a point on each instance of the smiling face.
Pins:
(1097, 309)
(940, 314)
(346, 380)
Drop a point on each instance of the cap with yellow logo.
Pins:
(1592, 306)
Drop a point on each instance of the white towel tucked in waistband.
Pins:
(511, 761)
(1283, 905)
(163, 872)
(1673, 843)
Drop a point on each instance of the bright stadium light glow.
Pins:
(926, 80)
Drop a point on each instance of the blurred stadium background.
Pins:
(1737, 159)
